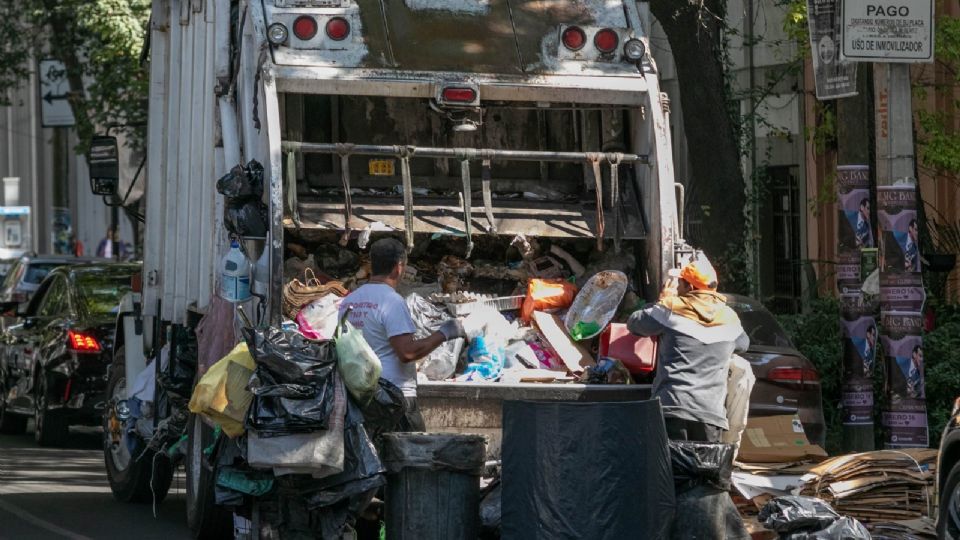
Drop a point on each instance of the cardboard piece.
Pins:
(575, 356)
(777, 439)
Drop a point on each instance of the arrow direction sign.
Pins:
(55, 110)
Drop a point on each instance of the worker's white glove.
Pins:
(452, 329)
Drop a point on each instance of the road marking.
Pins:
(34, 520)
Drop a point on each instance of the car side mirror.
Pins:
(104, 165)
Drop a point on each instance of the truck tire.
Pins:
(51, 429)
(205, 519)
(10, 424)
(948, 517)
(130, 477)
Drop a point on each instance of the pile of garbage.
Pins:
(297, 421)
(543, 317)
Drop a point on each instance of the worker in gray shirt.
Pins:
(698, 334)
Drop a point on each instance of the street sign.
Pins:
(894, 31)
(55, 110)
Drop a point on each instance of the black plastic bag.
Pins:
(845, 528)
(697, 464)
(181, 369)
(284, 409)
(797, 513)
(460, 453)
(242, 183)
(574, 470)
(246, 218)
(290, 358)
(490, 512)
(385, 411)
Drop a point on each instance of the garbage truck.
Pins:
(459, 124)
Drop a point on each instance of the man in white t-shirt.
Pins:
(385, 320)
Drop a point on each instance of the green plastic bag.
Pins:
(359, 365)
(583, 330)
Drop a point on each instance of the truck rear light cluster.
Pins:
(82, 342)
(793, 375)
(606, 41)
(305, 27)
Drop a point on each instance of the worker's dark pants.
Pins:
(679, 429)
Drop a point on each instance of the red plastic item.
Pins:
(638, 354)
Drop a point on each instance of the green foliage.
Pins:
(942, 370)
(816, 334)
(99, 42)
(938, 140)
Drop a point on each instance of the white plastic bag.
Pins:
(358, 364)
(442, 362)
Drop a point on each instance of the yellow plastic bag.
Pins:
(359, 365)
(222, 395)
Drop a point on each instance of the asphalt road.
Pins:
(54, 493)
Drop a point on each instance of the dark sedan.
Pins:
(948, 478)
(787, 382)
(55, 359)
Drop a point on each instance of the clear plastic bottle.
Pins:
(235, 275)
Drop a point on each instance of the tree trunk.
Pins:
(715, 191)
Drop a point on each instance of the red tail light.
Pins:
(136, 282)
(459, 95)
(82, 342)
(606, 41)
(793, 375)
(573, 38)
(337, 29)
(305, 27)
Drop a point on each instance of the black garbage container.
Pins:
(433, 485)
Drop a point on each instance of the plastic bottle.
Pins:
(234, 275)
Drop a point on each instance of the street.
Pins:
(60, 493)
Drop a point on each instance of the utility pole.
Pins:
(858, 310)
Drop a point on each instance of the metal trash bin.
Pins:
(433, 485)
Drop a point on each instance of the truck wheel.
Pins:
(205, 518)
(10, 424)
(948, 522)
(130, 476)
(51, 428)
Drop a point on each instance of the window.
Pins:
(55, 301)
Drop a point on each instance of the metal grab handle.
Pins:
(487, 195)
(594, 160)
(615, 199)
(344, 151)
(467, 195)
(405, 153)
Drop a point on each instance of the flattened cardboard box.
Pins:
(777, 439)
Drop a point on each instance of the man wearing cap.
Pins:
(698, 334)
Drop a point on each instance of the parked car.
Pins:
(55, 360)
(787, 382)
(5, 265)
(948, 478)
(27, 272)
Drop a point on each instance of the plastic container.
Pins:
(235, 275)
(638, 354)
(433, 485)
(596, 304)
(500, 303)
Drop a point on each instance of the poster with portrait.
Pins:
(854, 222)
(860, 341)
(906, 416)
(834, 77)
(899, 231)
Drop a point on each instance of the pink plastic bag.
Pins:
(318, 319)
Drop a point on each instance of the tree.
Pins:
(711, 119)
(100, 44)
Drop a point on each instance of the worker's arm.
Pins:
(742, 343)
(410, 349)
(643, 323)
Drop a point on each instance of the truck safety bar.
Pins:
(465, 155)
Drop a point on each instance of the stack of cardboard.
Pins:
(882, 486)
(914, 529)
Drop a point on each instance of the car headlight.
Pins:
(634, 49)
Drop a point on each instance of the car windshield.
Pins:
(36, 272)
(99, 290)
(759, 324)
